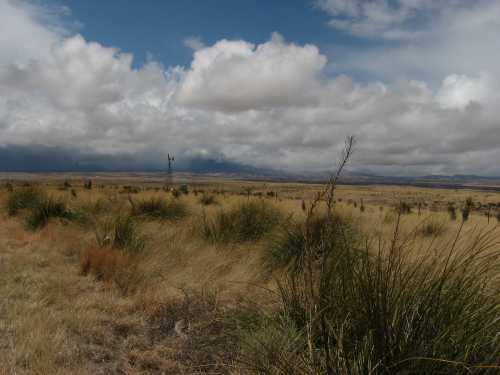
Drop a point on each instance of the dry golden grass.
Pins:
(68, 306)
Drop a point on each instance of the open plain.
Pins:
(130, 275)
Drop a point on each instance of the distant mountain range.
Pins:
(40, 159)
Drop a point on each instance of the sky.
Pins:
(268, 84)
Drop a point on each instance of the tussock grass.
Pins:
(207, 200)
(46, 209)
(248, 221)
(120, 232)
(23, 198)
(115, 259)
(431, 228)
(159, 209)
(380, 312)
(287, 247)
(111, 265)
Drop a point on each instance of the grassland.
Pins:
(122, 278)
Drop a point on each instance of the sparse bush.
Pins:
(67, 184)
(23, 198)
(207, 200)
(159, 209)
(9, 187)
(498, 216)
(249, 221)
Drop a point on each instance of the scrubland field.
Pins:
(124, 275)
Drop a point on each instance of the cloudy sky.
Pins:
(275, 84)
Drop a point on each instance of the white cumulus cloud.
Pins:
(269, 105)
(237, 75)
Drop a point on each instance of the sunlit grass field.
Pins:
(112, 282)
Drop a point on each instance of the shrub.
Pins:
(23, 198)
(207, 200)
(287, 247)
(248, 221)
(379, 311)
(159, 209)
(45, 210)
(497, 215)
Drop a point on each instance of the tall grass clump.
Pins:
(467, 208)
(46, 209)
(248, 221)
(116, 258)
(207, 200)
(381, 307)
(431, 228)
(452, 211)
(120, 233)
(159, 209)
(381, 312)
(287, 247)
(111, 265)
(23, 198)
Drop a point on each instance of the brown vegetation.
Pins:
(99, 290)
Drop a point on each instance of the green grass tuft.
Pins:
(248, 221)
(23, 198)
(159, 209)
(45, 210)
(287, 247)
(382, 311)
